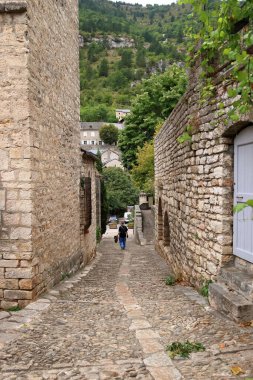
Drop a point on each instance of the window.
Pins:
(84, 134)
(92, 143)
(92, 134)
(100, 142)
(85, 142)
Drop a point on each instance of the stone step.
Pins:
(230, 302)
(238, 280)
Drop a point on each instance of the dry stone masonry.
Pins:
(40, 161)
(194, 182)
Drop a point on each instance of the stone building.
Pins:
(197, 183)
(91, 141)
(40, 161)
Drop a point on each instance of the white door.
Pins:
(243, 190)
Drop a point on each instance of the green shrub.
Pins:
(204, 290)
(170, 280)
(98, 234)
(184, 349)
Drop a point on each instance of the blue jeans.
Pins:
(122, 242)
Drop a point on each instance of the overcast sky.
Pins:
(145, 2)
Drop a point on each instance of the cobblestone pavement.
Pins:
(114, 319)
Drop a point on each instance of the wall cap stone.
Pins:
(13, 6)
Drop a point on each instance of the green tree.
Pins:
(141, 58)
(126, 58)
(117, 80)
(94, 113)
(120, 190)
(156, 98)
(143, 172)
(103, 68)
(109, 134)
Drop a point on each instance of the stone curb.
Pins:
(12, 322)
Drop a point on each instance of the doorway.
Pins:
(243, 191)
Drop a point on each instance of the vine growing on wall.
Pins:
(224, 29)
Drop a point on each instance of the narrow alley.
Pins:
(114, 319)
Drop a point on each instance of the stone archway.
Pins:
(166, 230)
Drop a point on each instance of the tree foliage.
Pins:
(109, 134)
(156, 98)
(143, 172)
(220, 34)
(106, 69)
(120, 190)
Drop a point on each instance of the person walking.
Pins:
(123, 234)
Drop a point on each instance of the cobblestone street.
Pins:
(114, 319)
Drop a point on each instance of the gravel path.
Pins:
(113, 321)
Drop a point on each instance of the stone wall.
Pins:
(15, 158)
(194, 182)
(39, 147)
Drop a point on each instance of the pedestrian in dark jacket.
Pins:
(123, 234)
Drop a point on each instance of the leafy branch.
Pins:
(225, 27)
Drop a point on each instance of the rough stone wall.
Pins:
(15, 162)
(39, 147)
(54, 122)
(194, 183)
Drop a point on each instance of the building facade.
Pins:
(40, 162)
(91, 141)
(121, 114)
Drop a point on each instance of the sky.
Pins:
(145, 2)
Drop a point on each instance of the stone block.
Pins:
(19, 206)
(12, 194)
(26, 219)
(18, 294)
(8, 176)
(20, 273)
(20, 233)
(26, 284)
(8, 284)
(13, 6)
(16, 153)
(10, 219)
(9, 263)
(5, 305)
(4, 159)
(2, 199)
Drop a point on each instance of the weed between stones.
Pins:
(184, 349)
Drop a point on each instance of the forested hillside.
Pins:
(122, 44)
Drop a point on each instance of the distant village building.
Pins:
(90, 140)
(121, 114)
(47, 186)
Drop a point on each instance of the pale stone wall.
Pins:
(54, 122)
(39, 147)
(194, 184)
(15, 162)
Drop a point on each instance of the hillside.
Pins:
(121, 44)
